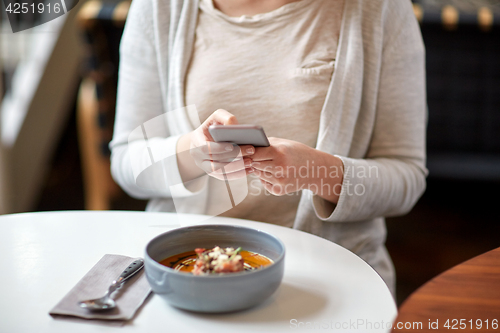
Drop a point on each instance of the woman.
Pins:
(339, 86)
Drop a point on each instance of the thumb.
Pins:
(222, 117)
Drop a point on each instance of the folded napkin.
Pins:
(95, 284)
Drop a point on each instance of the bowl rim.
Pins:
(216, 276)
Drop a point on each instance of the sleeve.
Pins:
(391, 178)
(143, 154)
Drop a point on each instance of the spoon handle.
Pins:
(130, 271)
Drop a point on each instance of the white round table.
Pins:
(43, 255)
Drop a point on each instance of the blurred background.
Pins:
(58, 86)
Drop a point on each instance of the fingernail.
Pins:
(248, 163)
(250, 171)
(229, 148)
(250, 150)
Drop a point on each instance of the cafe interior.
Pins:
(58, 94)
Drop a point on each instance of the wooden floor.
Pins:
(453, 221)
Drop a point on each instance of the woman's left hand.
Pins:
(288, 166)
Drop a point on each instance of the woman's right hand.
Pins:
(219, 160)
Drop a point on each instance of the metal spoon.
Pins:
(106, 302)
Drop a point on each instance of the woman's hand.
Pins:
(289, 166)
(219, 160)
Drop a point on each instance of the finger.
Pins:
(220, 158)
(266, 176)
(223, 157)
(220, 148)
(221, 117)
(220, 167)
(202, 153)
(247, 150)
(232, 175)
(267, 166)
(237, 153)
(264, 153)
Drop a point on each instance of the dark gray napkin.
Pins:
(95, 284)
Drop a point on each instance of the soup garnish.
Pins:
(216, 261)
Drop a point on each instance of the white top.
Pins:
(271, 69)
(45, 254)
(373, 118)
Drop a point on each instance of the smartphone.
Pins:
(240, 134)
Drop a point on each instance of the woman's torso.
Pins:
(270, 69)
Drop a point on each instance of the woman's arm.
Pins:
(391, 177)
(139, 99)
(146, 160)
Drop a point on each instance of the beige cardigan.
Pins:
(374, 119)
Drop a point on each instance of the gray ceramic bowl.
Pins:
(217, 293)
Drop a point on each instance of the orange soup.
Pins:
(185, 261)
